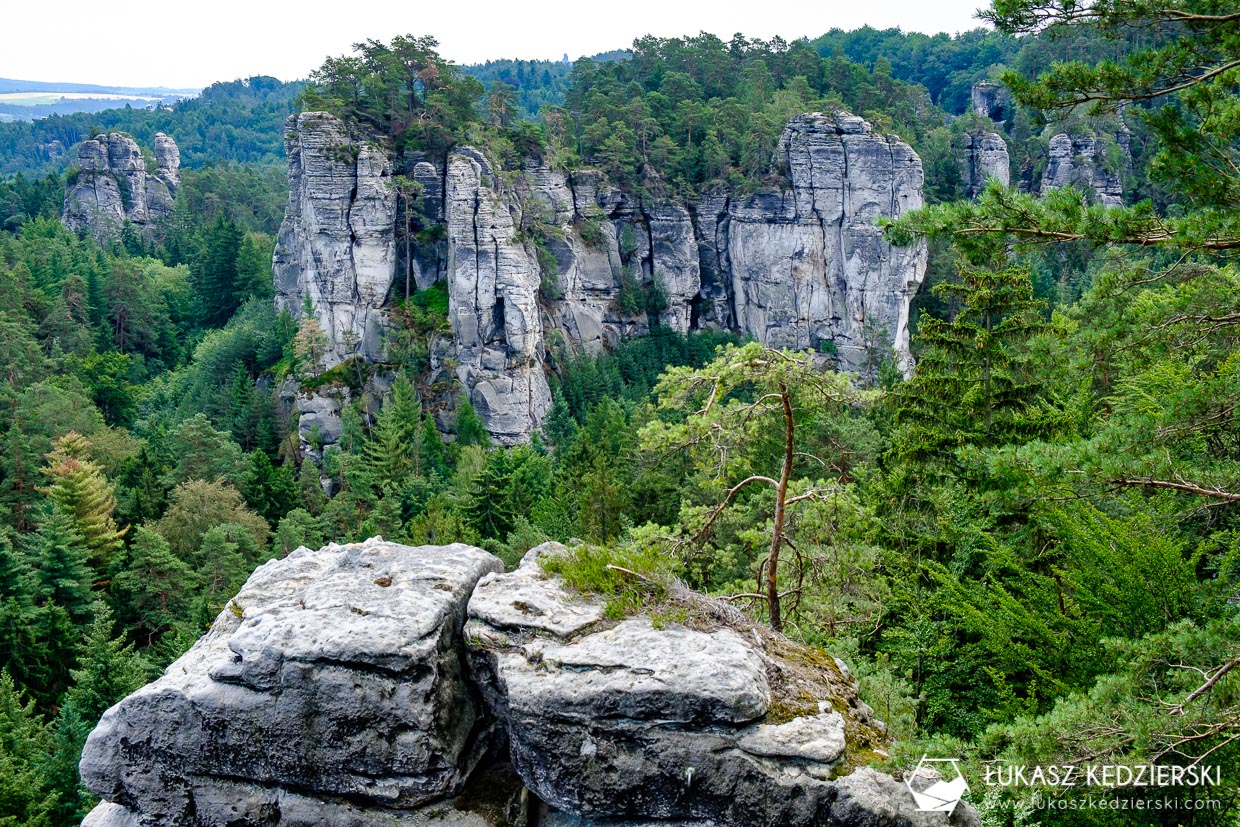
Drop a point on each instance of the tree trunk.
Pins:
(781, 497)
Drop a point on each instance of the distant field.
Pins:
(50, 98)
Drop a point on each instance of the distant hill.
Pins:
(162, 92)
(25, 100)
(240, 121)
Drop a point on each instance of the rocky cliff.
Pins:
(113, 186)
(530, 252)
(984, 156)
(1090, 163)
(377, 684)
(337, 244)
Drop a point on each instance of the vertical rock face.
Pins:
(984, 156)
(990, 100)
(113, 186)
(1081, 160)
(337, 243)
(536, 252)
(809, 266)
(493, 283)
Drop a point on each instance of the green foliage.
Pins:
(24, 741)
(470, 429)
(630, 579)
(240, 121)
(403, 90)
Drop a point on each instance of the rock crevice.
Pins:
(378, 684)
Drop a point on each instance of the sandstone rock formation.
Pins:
(1080, 159)
(716, 723)
(810, 268)
(337, 242)
(339, 672)
(113, 186)
(337, 689)
(984, 156)
(533, 253)
(990, 100)
(493, 283)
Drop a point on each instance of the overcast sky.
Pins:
(183, 44)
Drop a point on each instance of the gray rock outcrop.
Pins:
(984, 156)
(113, 186)
(337, 244)
(810, 269)
(493, 283)
(990, 100)
(533, 254)
(1081, 160)
(346, 687)
(719, 723)
(338, 672)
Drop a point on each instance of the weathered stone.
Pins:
(112, 186)
(537, 253)
(526, 599)
(819, 738)
(336, 674)
(990, 100)
(493, 282)
(984, 156)
(810, 268)
(107, 814)
(634, 725)
(337, 244)
(1080, 160)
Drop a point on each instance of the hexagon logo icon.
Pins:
(937, 784)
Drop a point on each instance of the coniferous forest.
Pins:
(1027, 550)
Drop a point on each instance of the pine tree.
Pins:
(153, 590)
(971, 387)
(108, 670)
(470, 429)
(298, 528)
(221, 563)
(215, 272)
(391, 451)
(431, 449)
(24, 744)
(202, 453)
(78, 487)
(269, 489)
(59, 555)
(310, 486)
(19, 647)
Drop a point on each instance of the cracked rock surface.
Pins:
(376, 684)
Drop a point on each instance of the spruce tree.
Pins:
(215, 272)
(108, 670)
(470, 429)
(59, 556)
(972, 385)
(24, 744)
(269, 489)
(153, 590)
(77, 486)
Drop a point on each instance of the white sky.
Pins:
(193, 44)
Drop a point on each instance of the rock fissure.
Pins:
(628, 725)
